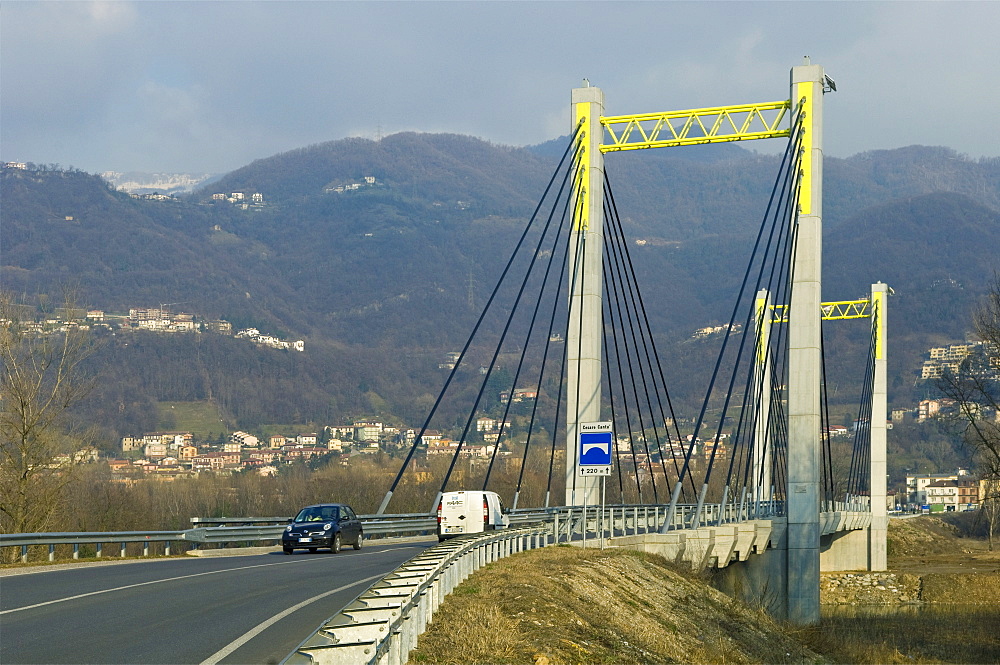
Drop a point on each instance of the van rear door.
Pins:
(462, 512)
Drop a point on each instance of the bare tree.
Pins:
(976, 389)
(41, 378)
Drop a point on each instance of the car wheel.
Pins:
(287, 550)
(335, 543)
(357, 543)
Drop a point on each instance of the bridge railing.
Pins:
(611, 520)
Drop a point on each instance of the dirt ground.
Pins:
(931, 561)
(930, 544)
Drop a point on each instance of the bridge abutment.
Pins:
(846, 550)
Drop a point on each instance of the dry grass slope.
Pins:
(566, 605)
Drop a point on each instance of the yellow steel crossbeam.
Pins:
(832, 311)
(711, 125)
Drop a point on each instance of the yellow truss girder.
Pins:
(709, 125)
(832, 311)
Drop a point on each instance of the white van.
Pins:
(469, 511)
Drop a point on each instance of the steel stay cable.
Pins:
(729, 392)
(778, 217)
(781, 275)
(618, 250)
(611, 403)
(778, 423)
(862, 439)
(633, 298)
(577, 270)
(609, 249)
(701, 415)
(647, 329)
(563, 369)
(531, 325)
(544, 363)
(750, 422)
(856, 457)
(503, 337)
(482, 316)
(757, 375)
(826, 455)
(786, 272)
(621, 379)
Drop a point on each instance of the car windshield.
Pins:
(317, 514)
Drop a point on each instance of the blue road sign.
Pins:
(595, 449)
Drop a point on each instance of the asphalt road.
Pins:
(238, 609)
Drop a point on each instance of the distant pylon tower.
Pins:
(472, 292)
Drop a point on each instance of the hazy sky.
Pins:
(210, 86)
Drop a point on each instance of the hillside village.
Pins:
(159, 319)
(170, 455)
(174, 454)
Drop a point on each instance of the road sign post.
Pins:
(594, 459)
(594, 449)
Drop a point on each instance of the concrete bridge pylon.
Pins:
(804, 357)
(584, 336)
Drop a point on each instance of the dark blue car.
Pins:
(323, 525)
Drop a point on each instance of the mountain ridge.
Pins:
(398, 267)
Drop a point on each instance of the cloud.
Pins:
(212, 85)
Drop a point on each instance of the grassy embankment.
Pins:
(565, 605)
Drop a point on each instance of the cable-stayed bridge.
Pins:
(564, 350)
(565, 339)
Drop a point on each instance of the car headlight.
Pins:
(288, 528)
(328, 526)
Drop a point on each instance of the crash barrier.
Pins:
(381, 626)
(249, 530)
(610, 520)
(120, 538)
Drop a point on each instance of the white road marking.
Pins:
(217, 657)
(168, 579)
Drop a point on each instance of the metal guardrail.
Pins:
(248, 530)
(235, 530)
(620, 518)
(246, 521)
(382, 624)
(122, 538)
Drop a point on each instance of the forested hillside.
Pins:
(383, 278)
